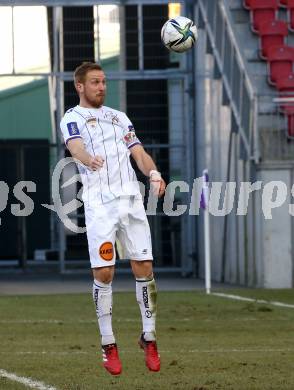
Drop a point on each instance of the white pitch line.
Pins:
(58, 322)
(240, 350)
(122, 351)
(240, 298)
(57, 353)
(25, 381)
(66, 322)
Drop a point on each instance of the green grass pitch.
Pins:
(206, 342)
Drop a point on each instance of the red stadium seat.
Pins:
(271, 33)
(290, 6)
(285, 86)
(262, 11)
(246, 4)
(280, 62)
(289, 112)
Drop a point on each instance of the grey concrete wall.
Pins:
(258, 252)
(228, 253)
(274, 259)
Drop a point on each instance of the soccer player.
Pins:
(102, 140)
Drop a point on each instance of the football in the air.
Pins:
(179, 34)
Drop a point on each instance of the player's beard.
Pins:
(96, 101)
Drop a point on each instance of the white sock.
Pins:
(102, 296)
(146, 294)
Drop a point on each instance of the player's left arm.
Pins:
(147, 166)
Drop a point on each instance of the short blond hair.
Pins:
(81, 71)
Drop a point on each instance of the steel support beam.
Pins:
(124, 75)
(61, 3)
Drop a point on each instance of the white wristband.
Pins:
(154, 172)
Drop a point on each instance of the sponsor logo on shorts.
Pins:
(144, 252)
(148, 314)
(106, 251)
(145, 297)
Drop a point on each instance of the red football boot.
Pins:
(111, 359)
(152, 358)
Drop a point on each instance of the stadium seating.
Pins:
(246, 4)
(285, 86)
(262, 11)
(286, 83)
(289, 112)
(271, 33)
(280, 62)
(290, 6)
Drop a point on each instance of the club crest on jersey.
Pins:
(130, 137)
(112, 116)
(92, 122)
(73, 128)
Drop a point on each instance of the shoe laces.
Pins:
(152, 348)
(111, 351)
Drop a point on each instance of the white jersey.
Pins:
(110, 134)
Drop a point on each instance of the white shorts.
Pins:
(123, 219)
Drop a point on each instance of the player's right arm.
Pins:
(73, 139)
(78, 151)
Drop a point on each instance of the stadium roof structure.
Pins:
(57, 3)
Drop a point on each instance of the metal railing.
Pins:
(276, 133)
(238, 89)
(169, 140)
